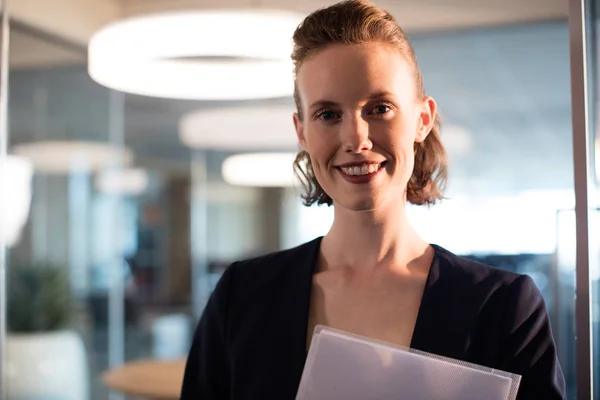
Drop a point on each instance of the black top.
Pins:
(251, 340)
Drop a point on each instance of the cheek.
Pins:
(319, 170)
(403, 149)
(321, 146)
(319, 160)
(399, 142)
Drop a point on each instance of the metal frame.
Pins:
(3, 153)
(201, 286)
(116, 291)
(581, 157)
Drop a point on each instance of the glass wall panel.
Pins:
(590, 25)
(504, 96)
(13, 172)
(136, 212)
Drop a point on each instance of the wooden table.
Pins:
(147, 378)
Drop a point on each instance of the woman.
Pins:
(370, 139)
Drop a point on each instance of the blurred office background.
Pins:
(137, 207)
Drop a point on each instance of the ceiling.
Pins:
(30, 50)
(77, 20)
(506, 86)
(70, 23)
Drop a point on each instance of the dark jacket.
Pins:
(251, 340)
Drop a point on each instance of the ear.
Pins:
(427, 113)
(299, 130)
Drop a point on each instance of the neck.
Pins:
(368, 239)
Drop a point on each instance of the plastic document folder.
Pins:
(343, 366)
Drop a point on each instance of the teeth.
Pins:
(362, 170)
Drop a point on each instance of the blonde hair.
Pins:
(354, 22)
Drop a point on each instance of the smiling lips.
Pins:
(361, 169)
(360, 172)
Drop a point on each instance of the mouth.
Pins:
(364, 169)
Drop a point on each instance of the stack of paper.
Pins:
(345, 366)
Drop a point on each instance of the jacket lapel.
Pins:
(426, 324)
(290, 316)
(439, 328)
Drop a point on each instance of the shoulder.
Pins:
(506, 320)
(482, 289)
(258, 275)
(464, 273)
(279, 262)
(507, 298)
(480, 301)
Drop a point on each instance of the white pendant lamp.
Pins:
(254, 128)
(126, 182)
(63, 157)
(15, 197)
(199, 55)
(260, 170)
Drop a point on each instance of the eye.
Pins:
(328, 115)
(381, 109)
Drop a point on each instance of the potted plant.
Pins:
(44, 357)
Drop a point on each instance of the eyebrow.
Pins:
(379, 95)
(329, 103)
(323, 104)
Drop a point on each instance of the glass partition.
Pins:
(136, 210)
(13, 172)
(504, 96)
(586, 89)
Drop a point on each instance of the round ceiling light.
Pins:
(15, 185)
(262, 128)
(62, 157)
(129, 181)
(260, 170)
(197, 55)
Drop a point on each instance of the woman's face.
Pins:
(361, 118)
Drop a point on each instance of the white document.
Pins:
(345, 366)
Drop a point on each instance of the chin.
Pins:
(369, 202)
(365, 204)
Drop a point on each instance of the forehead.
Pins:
(350, 72)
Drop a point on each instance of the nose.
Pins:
(355, 135)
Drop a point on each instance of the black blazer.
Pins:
(251, 340)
